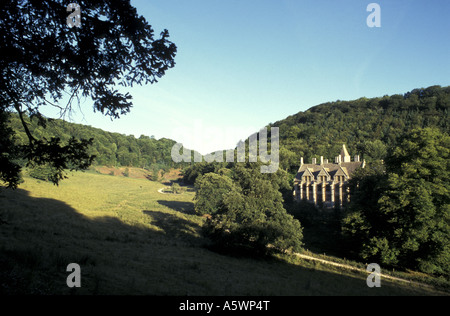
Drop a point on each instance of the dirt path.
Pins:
(345, 266)
(161, 191)
(385, 276)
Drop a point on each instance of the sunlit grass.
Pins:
(130, 239)
(95, 196)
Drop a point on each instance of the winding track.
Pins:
(385, 276)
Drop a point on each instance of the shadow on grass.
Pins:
(39, 237)
(174, 226)
(179, 206)
(185, 186)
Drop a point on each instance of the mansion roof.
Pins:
(343, 166)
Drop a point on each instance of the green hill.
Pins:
(110, 149)
(366, 126)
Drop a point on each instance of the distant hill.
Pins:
(110, 149)
(367, 126)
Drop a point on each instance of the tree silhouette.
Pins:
(45, 59)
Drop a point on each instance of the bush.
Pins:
(210, 191)
(177, 189)
(247, 214)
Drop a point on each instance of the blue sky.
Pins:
(243, 64)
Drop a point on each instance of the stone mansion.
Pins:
(324, 183)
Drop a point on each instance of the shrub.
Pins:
(247, 215)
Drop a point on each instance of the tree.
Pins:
(9, 155)
(192, 172)
(177, 189)
(211, 189)
(375, 150)
(418, 199)
(43, 59)
(362, 218)
(156, 172)
(248, 212)
(409, 221)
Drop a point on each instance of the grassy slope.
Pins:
(130, 239)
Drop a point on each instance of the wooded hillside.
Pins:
(367, 126)
(110, 149)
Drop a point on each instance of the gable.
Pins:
(323, 172)
(340, 172)
(323, 175)
(308, 172)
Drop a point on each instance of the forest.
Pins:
(109, 149)
(368, 127)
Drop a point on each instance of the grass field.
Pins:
(130, 239)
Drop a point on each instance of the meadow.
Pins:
(130, 239)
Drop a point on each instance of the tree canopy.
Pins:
(109, 149)
(401, 215)
(246, 210)
(44, 60)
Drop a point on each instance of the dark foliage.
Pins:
(106, 148)
(43, 59)
(246, 211)
(400, 215)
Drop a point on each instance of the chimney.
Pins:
(325, 161)
(314, 161)
(357, 158)
(345, 157)
(321, 160)
(301, 161)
